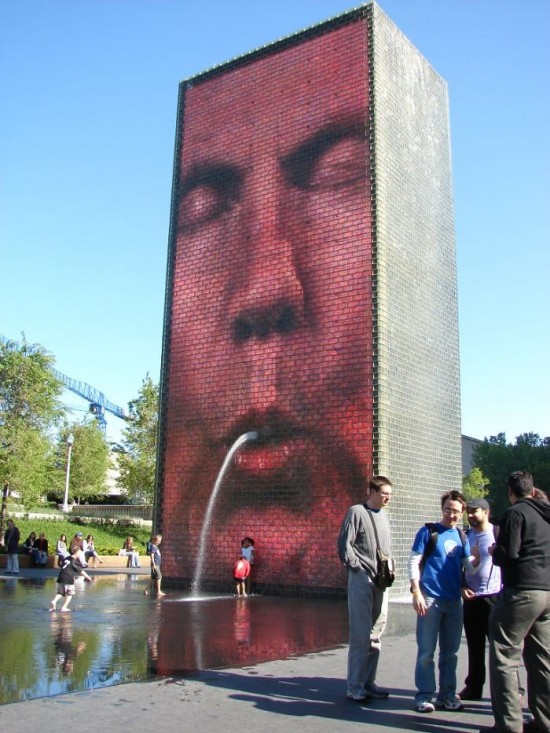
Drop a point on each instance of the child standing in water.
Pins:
(70, 569)
(247, 552)
(241, 571)
(156, 559)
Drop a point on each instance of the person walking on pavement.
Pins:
(521, 614)
(367, 603)
(479, 594)
(439, 554)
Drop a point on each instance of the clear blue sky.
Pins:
(88, 95)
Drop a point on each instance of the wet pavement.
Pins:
(228, 664)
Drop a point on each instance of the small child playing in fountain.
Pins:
(241, 571)
(70, 569)
(156, 572)
(247, 554)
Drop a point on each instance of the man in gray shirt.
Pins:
(367, 603)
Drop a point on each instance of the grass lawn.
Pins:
(108, 538)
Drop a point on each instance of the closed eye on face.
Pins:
(332, 158)
(207, 192)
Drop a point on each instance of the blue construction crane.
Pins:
(98, 402)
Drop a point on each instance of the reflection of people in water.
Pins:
(65, 651)
(241, 624)
(239, 631)
(271, 326)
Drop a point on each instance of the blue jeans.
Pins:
(443, 623)
(13, 563)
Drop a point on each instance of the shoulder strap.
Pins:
(432, 542)
(374, 528)
(462, 538)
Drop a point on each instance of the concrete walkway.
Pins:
(305, 693)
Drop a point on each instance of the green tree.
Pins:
(29, 410)
(89, 462)
(138, 461)
(497, 459)
(474, 485)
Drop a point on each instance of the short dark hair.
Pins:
(453, 496)
(520, 483)
(376, 483)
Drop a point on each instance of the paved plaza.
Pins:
(302, 693)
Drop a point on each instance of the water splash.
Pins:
(199, 568)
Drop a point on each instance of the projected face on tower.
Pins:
(270, 320)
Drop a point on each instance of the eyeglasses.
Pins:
(446, 510)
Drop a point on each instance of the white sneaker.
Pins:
(425, 706)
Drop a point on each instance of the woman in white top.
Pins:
(61, 549)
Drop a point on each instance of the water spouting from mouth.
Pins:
(199, 566)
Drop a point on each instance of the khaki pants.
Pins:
(368, 611)
(520, 619)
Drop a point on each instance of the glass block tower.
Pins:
(311, 335)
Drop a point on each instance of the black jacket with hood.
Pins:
(523, 546)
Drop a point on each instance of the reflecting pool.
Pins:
(115, 633)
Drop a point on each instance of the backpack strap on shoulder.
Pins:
(432, 542)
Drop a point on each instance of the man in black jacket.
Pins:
(521, 615)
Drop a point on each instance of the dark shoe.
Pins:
(454, 706)
(374, 691)
(531, 727)
(469, 694)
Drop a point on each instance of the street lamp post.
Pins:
(70, 443)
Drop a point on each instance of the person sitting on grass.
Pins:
(70, 570)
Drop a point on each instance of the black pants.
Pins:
(476, 628)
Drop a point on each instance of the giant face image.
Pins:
(270, 312)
